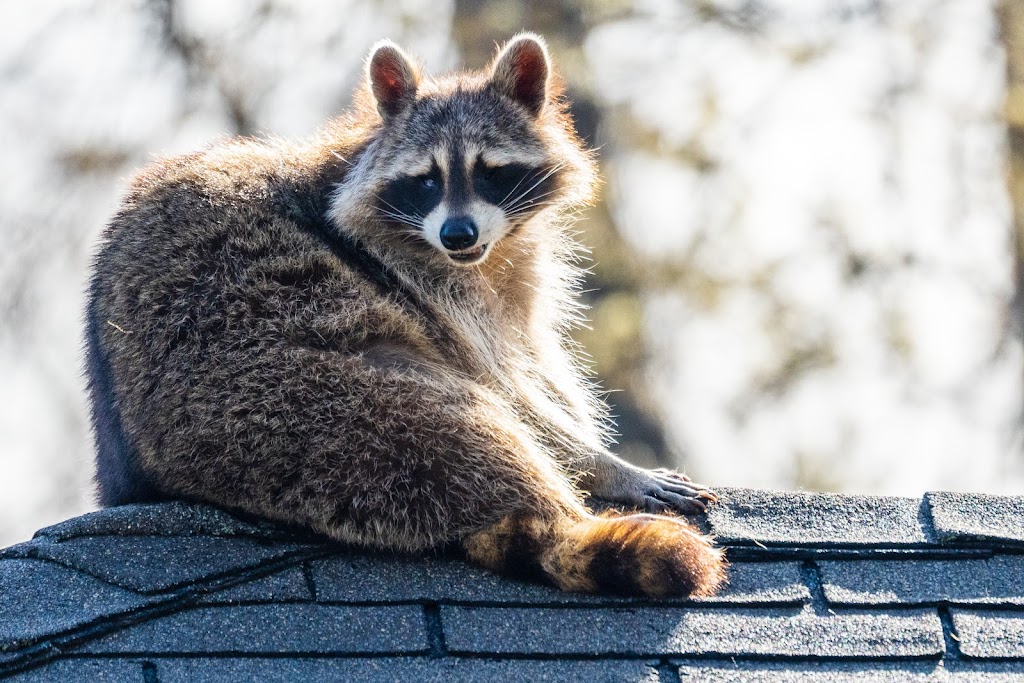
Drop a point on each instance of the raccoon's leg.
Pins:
(380, 455)
(609, 478)
(601, 473)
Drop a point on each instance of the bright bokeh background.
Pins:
(803, 262)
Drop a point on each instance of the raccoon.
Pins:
(365, 334)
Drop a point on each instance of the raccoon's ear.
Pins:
(393, 79)
(521, 70)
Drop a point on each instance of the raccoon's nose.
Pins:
(459, 233)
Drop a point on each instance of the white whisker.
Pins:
(516, 187)
(395, 208)
(531, 201)
(527, 208)
(554, 169)
(396, 214)
(401, 218)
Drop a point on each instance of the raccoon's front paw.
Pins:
(655, 491)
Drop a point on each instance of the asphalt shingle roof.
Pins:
(822, 587)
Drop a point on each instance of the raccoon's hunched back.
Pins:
(639, 554)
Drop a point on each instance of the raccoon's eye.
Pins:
(501, 184)
(415, 195)
(499, 175)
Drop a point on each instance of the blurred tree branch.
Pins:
(1011, 20)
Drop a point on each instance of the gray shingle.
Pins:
(998, 581)
(975, 517)
(739, 671)
(689, 631)
(162, 519)
(278, 628)
(816, 519)
(287, 585)
(978, 671)
(21, 550)
(989, 633)
(85, 671)
(359, 577)
(412, 669)
(767, 582)
(151, 564)
(356, 577)
(39, 598)
(786, 672)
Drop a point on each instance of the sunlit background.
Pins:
(804, 266)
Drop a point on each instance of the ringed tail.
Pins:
(639, 555)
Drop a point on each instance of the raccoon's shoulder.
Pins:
(236, 188)
(239, 174)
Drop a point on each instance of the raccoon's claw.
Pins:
(681, 484)
(665, 496)
(658, 491)
(671, 502)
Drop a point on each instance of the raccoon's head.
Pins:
(462, 162)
